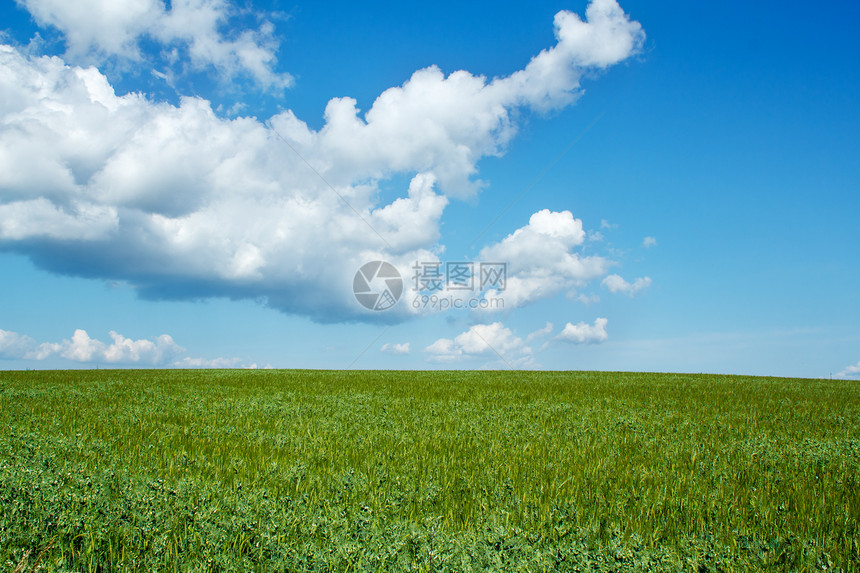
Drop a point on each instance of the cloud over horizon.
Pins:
(495, 342)
(81, 348)
(851, 372)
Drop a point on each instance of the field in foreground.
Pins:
(427, 471)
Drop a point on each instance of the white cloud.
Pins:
(95, 30)
(493, 341)
(444, 350)
(463, 117)
(541, 261)
(616, 284)
(14, 345)
(181, 203)
(82, 348)
(584, 333)
(587, 299)
(850, 372)
(395, 348)
(189, 362)
(606, 37)
(108, 27)
(481, 339)
(545, 331)
(649, 242)
(551, 79)
(161, 351)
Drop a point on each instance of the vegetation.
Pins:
(426, 471)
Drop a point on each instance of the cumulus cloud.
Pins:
(584, 333)
(395, 348)
(481, 339)
(649, 242)
(162, 351)
(95, 30)
(14, 345)
(82, 348)
(487, 341)
(541, 259)
(849, 372)
(606, 37)
(616, 284)
(180, 203)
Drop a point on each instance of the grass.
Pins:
(427, 471)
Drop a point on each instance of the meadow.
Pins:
(178, 470)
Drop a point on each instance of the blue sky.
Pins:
(671, 186)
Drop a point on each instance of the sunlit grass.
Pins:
(427, 471)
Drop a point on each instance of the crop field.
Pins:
(426, 471)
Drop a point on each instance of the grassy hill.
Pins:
(140, 470)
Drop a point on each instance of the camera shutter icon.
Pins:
(377, 285)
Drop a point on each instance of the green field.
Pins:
(427, 471)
